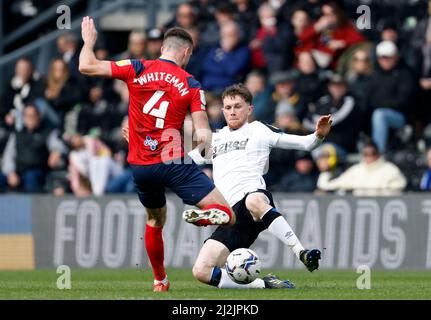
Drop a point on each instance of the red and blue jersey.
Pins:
(160, 94)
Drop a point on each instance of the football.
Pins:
(243, 265)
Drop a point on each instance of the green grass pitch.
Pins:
(136, 284)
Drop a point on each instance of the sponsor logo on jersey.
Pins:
(122, 63)
(228, 147)
(152, 143)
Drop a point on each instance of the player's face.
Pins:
(236, 111)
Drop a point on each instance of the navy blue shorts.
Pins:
(186, 180)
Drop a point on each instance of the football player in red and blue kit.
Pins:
(161, 93)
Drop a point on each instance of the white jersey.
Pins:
(240, 157)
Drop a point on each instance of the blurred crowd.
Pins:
(60, 132)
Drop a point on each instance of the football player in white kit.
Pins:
(240, 153)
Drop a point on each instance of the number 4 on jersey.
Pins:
(159, 113)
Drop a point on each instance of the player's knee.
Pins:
(201, 273)
(257, 205)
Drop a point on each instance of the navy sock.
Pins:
(215, 277)
(270, 216)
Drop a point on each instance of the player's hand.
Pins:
(88, 30)
(125, 132)
(323, 126)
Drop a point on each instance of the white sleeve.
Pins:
(197, 157)
(269, 133)
(291, 141)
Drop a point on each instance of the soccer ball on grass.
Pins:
(243, 265)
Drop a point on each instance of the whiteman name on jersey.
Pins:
(162, 76)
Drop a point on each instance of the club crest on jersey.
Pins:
(152, 143)
(228, 147)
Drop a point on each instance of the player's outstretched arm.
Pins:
(88, 63)
(308, 142)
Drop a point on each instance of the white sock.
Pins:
(164, 281)
(282, 230)
(228, 283)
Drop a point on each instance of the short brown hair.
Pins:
(238, 90)
(179, 33)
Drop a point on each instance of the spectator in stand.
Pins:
(327, 163)
(61, 93)
(225, 13)
(185, 17)
(284, 83)
(246, 10)
(390, 91)
(311, 81)
(421, 44)
(358, 77)
(205, 10)
(135, 46)
(301, 178)
(268, 28)
(330, 36)
(91, 166)
(278, 43)
(345, 126)
(31, 152)
(286, 119)
(67, 46)
(425, 183)
(300, 20)
(288, 7)
(373, 176)
(391, 32)
(154, 44)
(228, 63)
(263, 107)
(101, 116)
(122, 183)
(200, 51)
(22, 89)
(272, 42)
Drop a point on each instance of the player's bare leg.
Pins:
(209, 268)
(213, 253)
(259, 206)
(213, 210)
(154, 246)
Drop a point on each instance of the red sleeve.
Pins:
(122, 69)
(198, 102)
